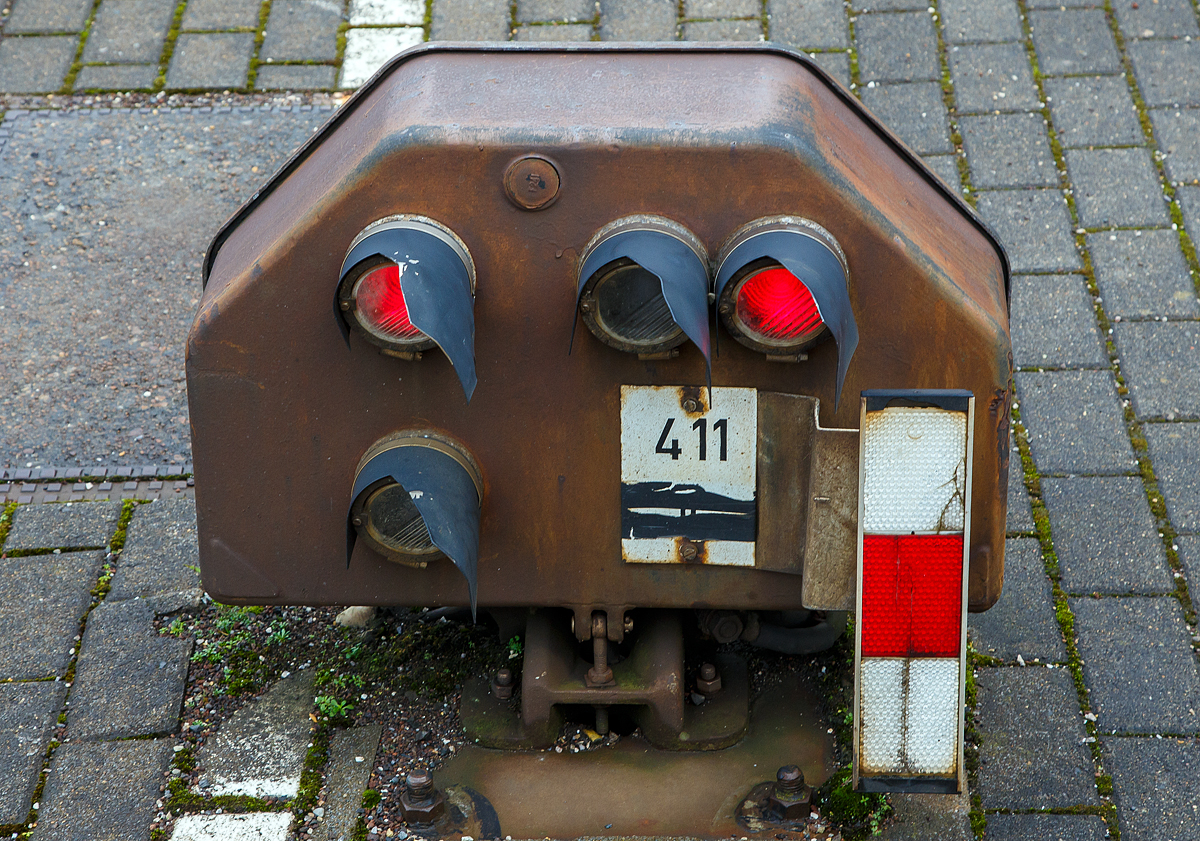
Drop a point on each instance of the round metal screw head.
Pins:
(688, 551)
(690, 404)
(419, 785)
(708, 671)
(790, 779)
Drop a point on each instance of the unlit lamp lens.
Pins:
(629, 305)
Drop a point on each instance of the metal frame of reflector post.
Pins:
(949, 400)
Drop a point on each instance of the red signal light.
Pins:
(777, 307)
(381, 305)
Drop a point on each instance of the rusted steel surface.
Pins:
(710, 138)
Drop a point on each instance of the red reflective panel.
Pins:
(912, 595)
(381, 303)
(778, 307)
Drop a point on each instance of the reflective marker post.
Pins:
(910, 637)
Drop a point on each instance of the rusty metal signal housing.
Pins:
(712, 137)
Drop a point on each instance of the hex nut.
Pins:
(708, 681)
(420, 802)
(791, 797)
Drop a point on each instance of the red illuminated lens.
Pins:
(381, 306)
(912, 595)
(776, 306)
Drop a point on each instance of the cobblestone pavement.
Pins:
(1073, 126)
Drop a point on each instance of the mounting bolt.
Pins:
(791, 797)
(688, 551)
(691, 404)
(708, 683)
(421, 802)
(628, 624)
(502, 684)
(357, 521)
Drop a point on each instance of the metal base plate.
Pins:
(634, 789)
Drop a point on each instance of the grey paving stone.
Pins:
(129, 680)
(1156, 19)
(721, 8)
(70, 525)
(30, 17)
(1138, 664)
(348, 775)
(836, 65)
(1093, 111)
(981, 20)
(1020, 513)
(1160, 362)
(1003, 827)
(278, 77)
(102, 791)
(1008, 150)
(35, 65)
(1034, 227)
(983, 78)
(723, 30)
(556, 10)
(1175, 452)
(301, 29)
(221, 14)
(920, 817)
(211, 60)
(1074, 421)
(1177, 134)
(1031, 752)
(129, 31)
(635, 20)
(914, 111)
(813, 24)
(1142, 273)
(260, 750)
(1166, 71)
(945, 167)
(888, 5)
(1116, 187)
(28, 713)
(1053, 323)
(1023, 621)
(161, 550)
(475, 20)
(1074, 41)
(557, 32)
(116, 77)
(1157, 784)
(1105, 536)
(1189, 556)
(42, 600)
(1189, 205)
(896, 48)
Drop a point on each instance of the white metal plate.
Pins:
(688, 477)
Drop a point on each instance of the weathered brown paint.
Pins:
(282, 410)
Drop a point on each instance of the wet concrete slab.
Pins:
(104, 218)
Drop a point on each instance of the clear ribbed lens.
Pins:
(909, 716)
(914, 470)
(395, 522)
(631, 306)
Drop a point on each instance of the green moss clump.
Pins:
(370, 799)
(858, 815)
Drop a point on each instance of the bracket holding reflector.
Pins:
(407, 284)
(911, 633)
(643, 286)
(416, 497)
(782, 281)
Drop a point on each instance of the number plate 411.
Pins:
(688, 474)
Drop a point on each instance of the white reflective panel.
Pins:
(914, 470)
(881, 715)
(931, 742)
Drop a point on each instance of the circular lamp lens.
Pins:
(393, 520)
(380, 305)
(774, 307)
(628, 310)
